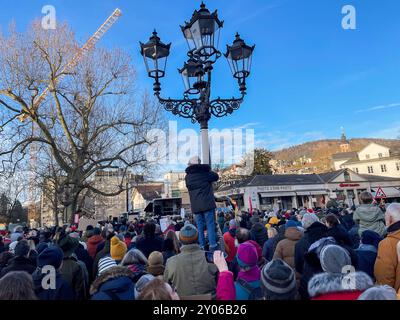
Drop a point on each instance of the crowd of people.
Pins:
(299, 254)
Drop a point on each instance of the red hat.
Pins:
(73, 228)
(310, 210)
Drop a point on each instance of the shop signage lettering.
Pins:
(347, 185)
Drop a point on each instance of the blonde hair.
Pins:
(272, 232)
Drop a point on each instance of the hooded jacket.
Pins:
(190, 273)
(370, 217)
(387, 266)
(199, 179)
(333, 286)
(259, 233)
(92, 244)
(117, 283)
(286, 247)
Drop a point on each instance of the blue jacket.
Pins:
(114, 284)
(241, 293)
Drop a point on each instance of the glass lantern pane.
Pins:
(195, 31)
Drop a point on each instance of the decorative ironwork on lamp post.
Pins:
(202, 36)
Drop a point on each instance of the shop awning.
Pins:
(390, 192)
(277, 194)
(312, 193)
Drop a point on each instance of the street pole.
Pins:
(205, 146)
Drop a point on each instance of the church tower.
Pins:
(344, 143)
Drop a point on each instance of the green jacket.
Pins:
(190, 273)
(370, 217)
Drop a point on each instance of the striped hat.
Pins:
(278, 281)
(188, 234)
(106, 263)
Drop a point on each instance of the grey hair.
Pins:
(134, 256)
(393, 210)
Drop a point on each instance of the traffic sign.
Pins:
(380, 194)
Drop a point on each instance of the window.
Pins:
(398, 166)
(383, 168)
(355, 170)
(367, 156)
(380, 155)
(347, 177)
(370, 169)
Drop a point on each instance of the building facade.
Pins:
(310, 190)
(374, 159)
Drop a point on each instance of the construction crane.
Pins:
(68, 68)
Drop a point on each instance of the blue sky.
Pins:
(309, 78)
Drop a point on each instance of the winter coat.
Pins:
(341, 236)
(19, 264)
(148, 245)
(366, 254)
(114, 284)
(190, 273)
(226, 286)
(259, 233)
(370, 217)
(101, 254)
(168, 254)
(84, 256)
(62, 291)
(92, 244)
(242, 293)
(314, 232)
(199, 179)
(268, 248)
(329, 286)
(74, 275)
(387, 266)
(230, 248)
(286, 247)
(347, 221)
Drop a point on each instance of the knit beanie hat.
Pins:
(247, 255)
(141, 283)
(258, 248)
(290, 224)
(22, 248)
(155, 258)
(106, 263)
(371, 237)
(308, 220)
(51, 256)
(333, 258)
(278, 281)
(232, 224)
(188, 234)
(379, 293)
(117, 248)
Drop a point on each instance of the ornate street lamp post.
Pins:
(202, 36)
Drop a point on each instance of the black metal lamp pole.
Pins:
(202, 36)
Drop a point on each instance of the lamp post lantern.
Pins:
(202, 36)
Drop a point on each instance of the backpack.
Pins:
(254, 293)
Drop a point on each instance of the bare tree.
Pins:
(91, 121)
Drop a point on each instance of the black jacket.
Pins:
(341, 236)
(19, 264)
(199, 179)
(148, 245)
(259, 233)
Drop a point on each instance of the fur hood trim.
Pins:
(110, 274)
(324, 283)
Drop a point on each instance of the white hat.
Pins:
(194, 160)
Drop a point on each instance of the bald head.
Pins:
(392, 214)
